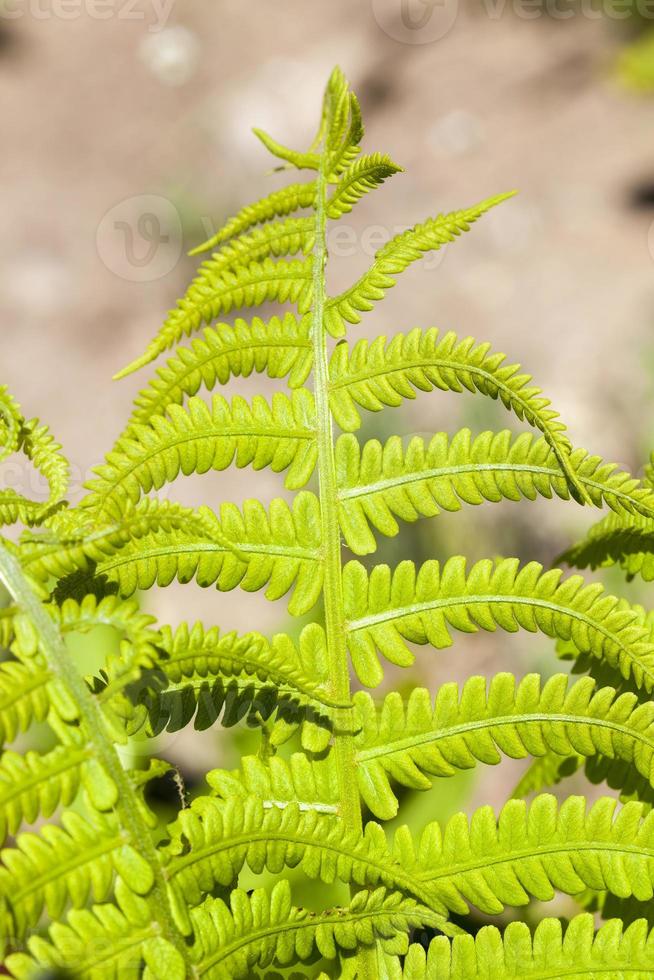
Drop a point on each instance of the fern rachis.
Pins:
(95, 885)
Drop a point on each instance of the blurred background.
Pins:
(126, 140)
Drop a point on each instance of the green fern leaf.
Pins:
(534, 851)
(311, 784)
(11, 421)
(380, 483)
(609, 954)
(387, 609)
(107, 941)
(616, 539)
(260, 929)
(38, 445)
(212, 841)
(411, 743)
(235, 288)
(277, 239)
(198, 439)
(362, 176)
(375, 375)
(34, 785)
(250, 550)
(297, 672)
(24, 698)
(65, 865)
(280, 347)
(280, 203)
(200, 674)
(394, 257)
(75, 541)
(301, 161)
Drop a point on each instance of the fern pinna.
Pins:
(101, 892)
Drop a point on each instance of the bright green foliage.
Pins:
(90, 881)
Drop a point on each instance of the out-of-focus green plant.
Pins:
(635, 65)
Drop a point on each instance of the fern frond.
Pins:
(39, 446)
(380, 374)
(200, 674)
(278, 204)
(75, 541)
(11, 421)
(66, 865)
(362, 176)
(295, 671)
(386, 609)
(534, 851)
(279, 347)
(261, 928)
(616, 539)
(108, 941)
(394, 257)
(202, 438)
(301, 161)
(411, 743)
(274, 240)
(343, 147)
(279, 549)
(24, 698)
(7, 614)
(611, 953)
(235, 288)
(34, 785)
(309, 783)
(380, 483)
(212, 841)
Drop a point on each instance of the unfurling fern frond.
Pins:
(98, 879)
(35, 442)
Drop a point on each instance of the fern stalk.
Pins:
(127, 805)
(337, 654)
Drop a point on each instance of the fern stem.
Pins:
(344, 749)
(127, 806)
